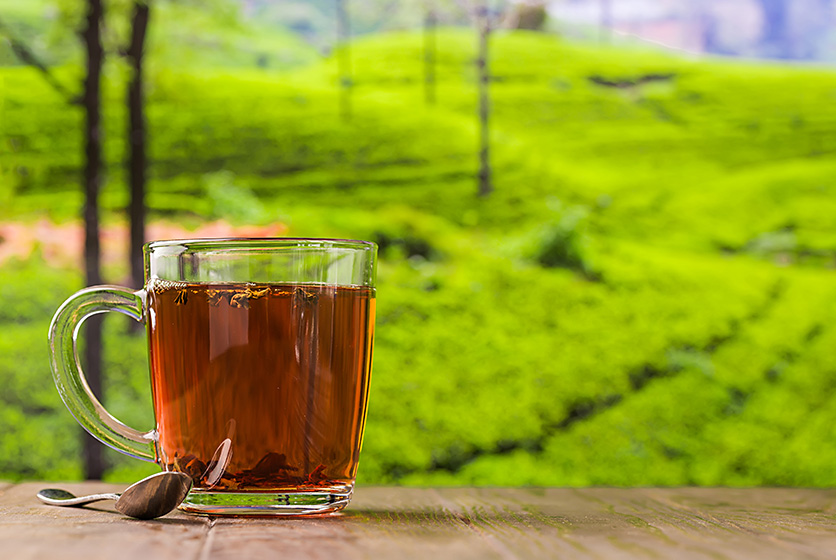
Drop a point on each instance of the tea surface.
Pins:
(260, 386)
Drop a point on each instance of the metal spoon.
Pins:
(151, 497)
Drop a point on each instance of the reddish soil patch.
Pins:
(63, 245)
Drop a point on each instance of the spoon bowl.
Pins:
(149, 498)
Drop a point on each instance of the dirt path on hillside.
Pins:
(62, 245)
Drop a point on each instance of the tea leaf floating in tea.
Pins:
(182, 297)
(240, 301)
(257, 293)
(214, 297)
(317, 476)
(271, 463)
(303, 296)
(190, 465)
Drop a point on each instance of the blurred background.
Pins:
(606, 226)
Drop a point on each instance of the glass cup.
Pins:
(260, 356)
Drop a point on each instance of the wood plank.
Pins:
(681, 523)
(407, 523)
(403, 523)
(31, 530)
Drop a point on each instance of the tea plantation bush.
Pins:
(646, 298)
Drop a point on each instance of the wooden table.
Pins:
(441, 523)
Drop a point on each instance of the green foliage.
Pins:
(30, 294)
(644, 299)
(233, 201)
(38, 438)
(193, 33)
(564, 244)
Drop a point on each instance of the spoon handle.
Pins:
(55, 497)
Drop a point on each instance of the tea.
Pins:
(260, 387)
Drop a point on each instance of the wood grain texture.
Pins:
(407, 523)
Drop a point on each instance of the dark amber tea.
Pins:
(260, 387)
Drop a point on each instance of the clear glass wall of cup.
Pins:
(260, 355)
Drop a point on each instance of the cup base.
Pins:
(265, 503)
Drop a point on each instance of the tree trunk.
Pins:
(344, 58)
(483, 25)
(429, 56)
(91, 35)
(137, 140)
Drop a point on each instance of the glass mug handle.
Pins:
(70, 380)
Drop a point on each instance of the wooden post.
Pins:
(430, 25)
(483, 29)
(344, 58)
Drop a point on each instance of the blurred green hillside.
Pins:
(645, 299)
